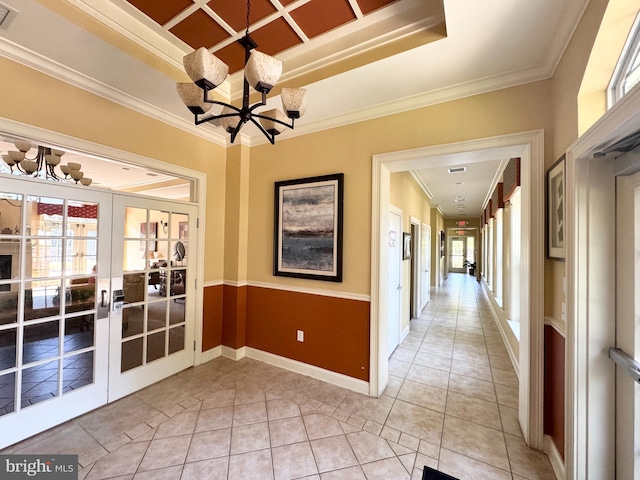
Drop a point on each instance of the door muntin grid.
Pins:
(48, 255)
(155, 271)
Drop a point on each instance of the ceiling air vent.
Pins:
(457, 169)
(4, 13)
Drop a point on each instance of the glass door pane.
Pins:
(457, 253)
(152, 330)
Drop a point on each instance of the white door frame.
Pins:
(397, 211)
(425, 274)
(416, 265)
(590, 374)
(529, 147)
(198, 190)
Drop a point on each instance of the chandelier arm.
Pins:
(214, 117)
(270, 137)
(275, 120)
(259, 104)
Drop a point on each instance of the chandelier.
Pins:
(43, 164)
(261, 72)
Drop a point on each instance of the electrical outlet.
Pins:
(300, 336)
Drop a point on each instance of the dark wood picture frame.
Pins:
(556, 195)
(308, 224)
(406, 246)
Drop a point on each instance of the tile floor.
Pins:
(450, 404)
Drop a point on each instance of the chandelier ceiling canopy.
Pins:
(261, 72)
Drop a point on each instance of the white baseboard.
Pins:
(210, 354)
(404, 334)
(234, 354)
(554, 456)
(328, 376)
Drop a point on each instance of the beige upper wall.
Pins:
(349, 149)
(34, 98)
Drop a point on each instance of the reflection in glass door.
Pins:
(53, 348)
(152, 335)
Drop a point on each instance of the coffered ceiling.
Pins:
(357, 59)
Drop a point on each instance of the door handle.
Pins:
(625, 361)
(103, 304)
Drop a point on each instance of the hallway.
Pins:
(451, 404)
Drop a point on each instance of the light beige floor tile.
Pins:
(249, 438)
(481, 443)
(393, 387)
(390, 434)
(214, 419)
(249, 395)
(510, 423)
(325, 393)
(69, 437)
(472, 387)
(433, 361)
(215, 469)
(210, 444)
(527, 462)
(222, 398)
(286, 431)
(369, 447)
(408, 461)
(423, 395)
(416, 421)
(370, 408)
(429, 376)
(92, 456)
(460, 466)
(399, 449)
(505, 377)
(409, 441)
(351, 473)
(181, 424)
(169, 473)
(480, 371)
(503, 363)
(385, 470)
(436, 349)
(432, 339)
(422, 460)
(333, 453)
(507, 395)
(121, 462)
(429, 449)
(372, 427)
(138, 431)
(165, 452)
(293, 461)
(246, 414)
(251, 466)
(403, 354)
(398, 368)
(115, 443)
(320, 426)
(474, 410)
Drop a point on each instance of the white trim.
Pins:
(235, 283)
(233, 353)
(416, 176)
(213, 283)
(504, 333)
(558, 325)
(312, 291)
(554, 457)
(588, 290)
(334, 378)
(211, 354)
(529, 147)
(404, 333)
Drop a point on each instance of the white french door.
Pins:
(628, 325)
(54, 260)
(67, 344)
(152, 329)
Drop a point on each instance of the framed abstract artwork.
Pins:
(308, 228)
(556, 210)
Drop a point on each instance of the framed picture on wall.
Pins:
(308, 228)
(556, 210)
(406, 246)
(441, 244)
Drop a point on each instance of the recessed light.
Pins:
(126, 168)
(457, 183)
(457, 169)
(461, 199)
(152, 174)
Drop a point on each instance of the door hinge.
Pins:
(194, 345)
(197, 223)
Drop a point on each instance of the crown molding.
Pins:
(421, 183)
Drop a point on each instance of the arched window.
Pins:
(627, 72)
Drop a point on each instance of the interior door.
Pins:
(152, 317)
(628, 326)
(458, 255)
(54, 269)
(425, 255)
(394, 280)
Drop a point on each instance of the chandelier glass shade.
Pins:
(261, 72)
(44, 164)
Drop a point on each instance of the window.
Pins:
(627, 72)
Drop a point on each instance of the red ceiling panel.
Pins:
(199, 30)
(286, 2)
(275, 37)
(368, 6)
(318, 17)
(161, 12)
(232, 55)
(234, 12)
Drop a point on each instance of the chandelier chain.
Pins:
(248, 14)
